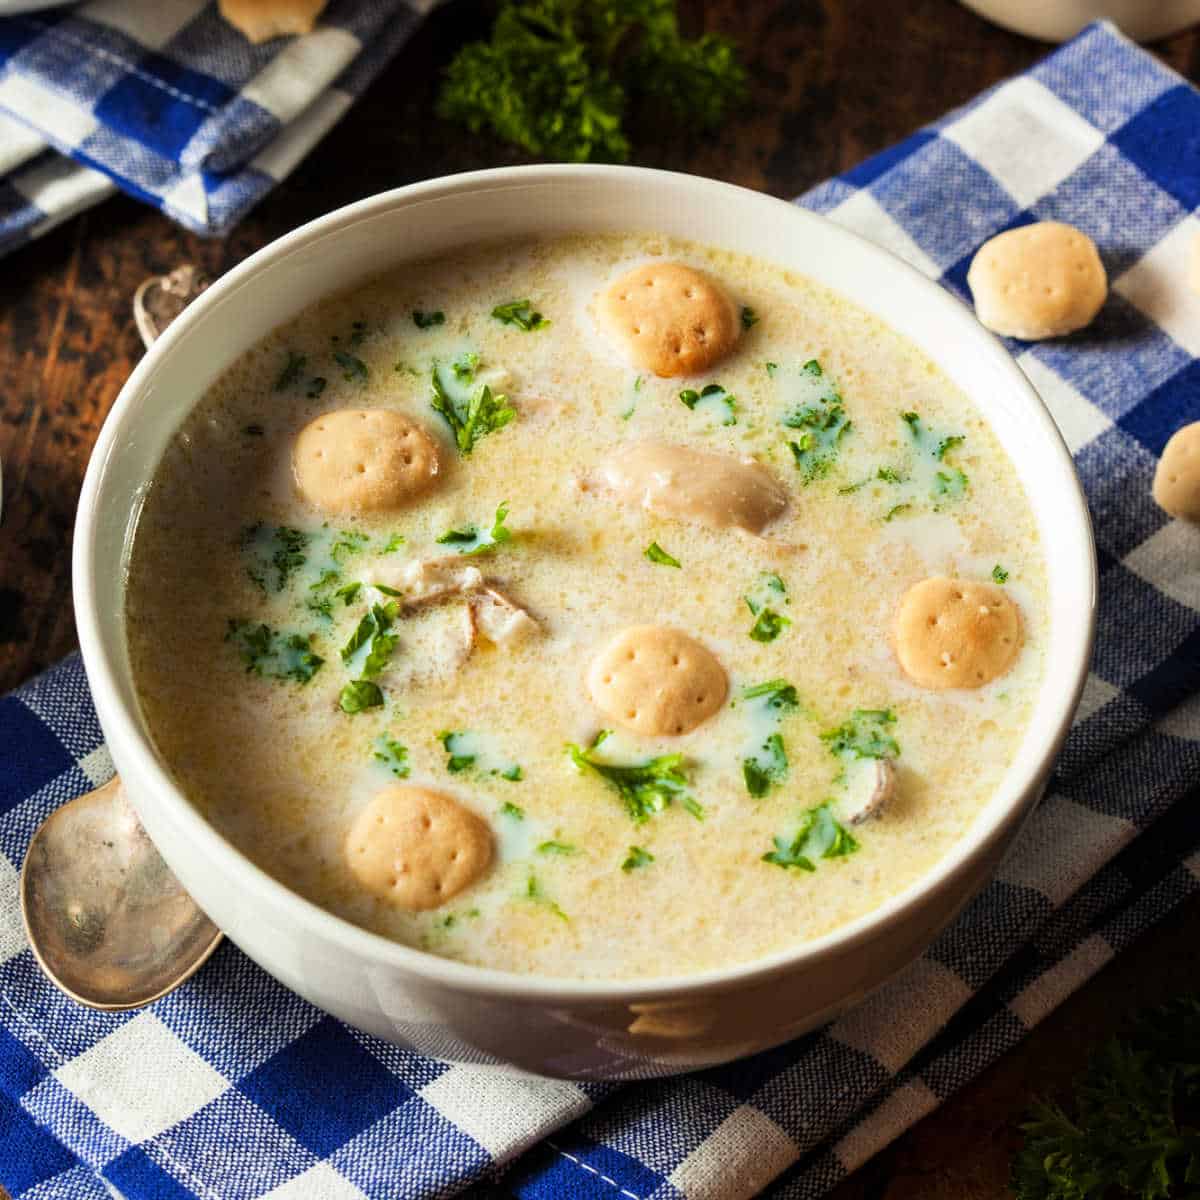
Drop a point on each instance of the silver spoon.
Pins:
(108, 922)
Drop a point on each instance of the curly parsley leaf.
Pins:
(637, 858)
(557, 76)
(471, 413)
(999, 574)
(472, 540)
(656, 554)
(428, 320)
(768, 625)
(820, 835)
(646, 787)
(522, 314)
(1134, 1132)
(272, 654)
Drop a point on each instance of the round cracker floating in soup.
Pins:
(955, 634)
(363, 460)
(656, 681)
(416, 848)
(670, 319)
(1038, 281)
(1177, 477)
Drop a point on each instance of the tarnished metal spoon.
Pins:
(108, 922)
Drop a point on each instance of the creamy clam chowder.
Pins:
(601, 607)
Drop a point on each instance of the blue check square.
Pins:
(1164, 141)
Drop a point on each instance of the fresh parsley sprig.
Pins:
(646, 787)
(821, 835)
(522, 314)
(471, 413)
(472, 540)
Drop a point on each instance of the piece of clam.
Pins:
(876, 784)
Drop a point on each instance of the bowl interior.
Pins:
(355, 243)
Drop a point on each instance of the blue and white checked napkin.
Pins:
(166, 101)
(233, 1088)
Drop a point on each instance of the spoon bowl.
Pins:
(108, 922)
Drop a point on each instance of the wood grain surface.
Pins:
(832, 82)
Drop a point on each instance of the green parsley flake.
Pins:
(520, 313)
(372, 632)
(820, 417)
(274, 655)
(347, 592)
(320, 600)
(275, 554)
(471, 413)
(348, 542)
(353, 367)
(515, 811)
(360, 694)
(535, 892)
(453, 743)
(712, 398)
(637, 858)
(471, 540)
(563, 849)
(292, 370)
(864, 735)
(656, 554)
(646, 787)
(427, 320)
(393, 755)
(999, 574)
(316, 386)
(945, 485)
(768, 625)
(820, 835)
(749, 317)
(767, 763)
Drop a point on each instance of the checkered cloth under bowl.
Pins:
(171, 104)
(233, 1088)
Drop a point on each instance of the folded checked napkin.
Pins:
(168, 102)
(234, 1088)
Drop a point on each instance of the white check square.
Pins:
(12, 932)
(321, 1182)
(863, 214)
(904, 1107)
(1170, 561)
(499, 1111)
(737, 1160)
(1077, 418)
(1026, 138)
(1158, 285)
(141, 1079)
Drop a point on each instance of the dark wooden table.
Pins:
(833, 82)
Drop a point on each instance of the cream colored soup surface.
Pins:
(282, 771)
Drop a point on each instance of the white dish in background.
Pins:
(566, 1028)
(10, 8)
(1058, 20)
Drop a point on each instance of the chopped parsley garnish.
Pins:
(508, 809)
(564, 849)
(520, 313)
(393, 755)
(456, 760)
(292, 370)
(360, 694)
(427, 320)
(944, 485)
(895, 511)
(513, 774)
(770, 589)
(712, 398)
(316, 386)
(656, 554)
(472, 540)
(767, 763)
(353, 367)
(348, 542)
(637, 858)
(749, 317)
(883, 475)
(999, 574)
(372, 631)
(470, 413)
(347, 592)
(320, 600)
(253, 430)
(635, 392)
(534, 892)
(821, 419)
(820, 835)
(864, 735)
(276, 554)
(358, 331)
(393, 544)
(274, 655)
(768, 625)
(646, 787)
